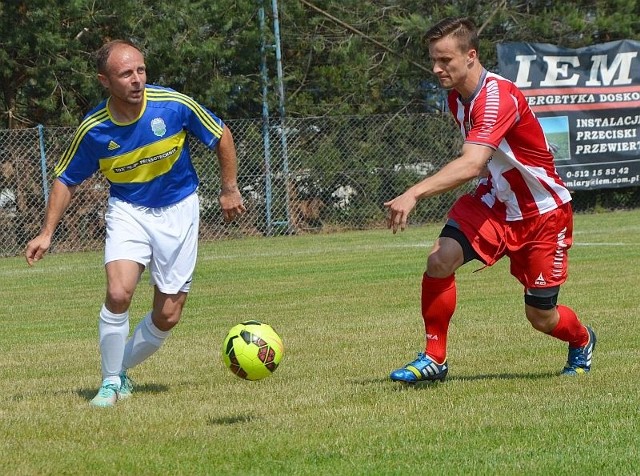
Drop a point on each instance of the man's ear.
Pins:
(472, 55)
(103, 80)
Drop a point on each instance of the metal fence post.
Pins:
(43, 164)
(265, 122)
(281, 102)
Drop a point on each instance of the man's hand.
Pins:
(231, 203)
(399, 209)
(59, 199)
(36, 249)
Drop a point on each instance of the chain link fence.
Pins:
(299, 176)
(296, 176)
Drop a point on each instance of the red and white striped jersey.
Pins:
(522, 181)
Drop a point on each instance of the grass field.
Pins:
(347, 308)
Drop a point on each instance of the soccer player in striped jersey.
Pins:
(137, 138)
(520, 209)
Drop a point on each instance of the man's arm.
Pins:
(469, 165)
(230, 198)
(59, 200)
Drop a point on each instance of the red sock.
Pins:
(569, 328)
(438, 305)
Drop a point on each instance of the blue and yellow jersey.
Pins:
(147, 161)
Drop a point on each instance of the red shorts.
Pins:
(537, 247)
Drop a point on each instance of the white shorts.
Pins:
(164, 240)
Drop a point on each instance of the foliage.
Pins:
(42, 70)
(339, 58)
(343, 60)
(606, 200)
(200, 48)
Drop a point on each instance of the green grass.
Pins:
(347, 308)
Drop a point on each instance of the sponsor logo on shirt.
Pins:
(145, 161)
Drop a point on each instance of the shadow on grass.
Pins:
(230, 420)
(150, 388)
(507, 376)
(427, 384)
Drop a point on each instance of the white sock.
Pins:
(113, 330)
(114, 379)
(144, 341)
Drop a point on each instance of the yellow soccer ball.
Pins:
(252, 350)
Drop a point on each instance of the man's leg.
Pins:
(438, 303)
(154, 329)
(113, 326)
(562, 323)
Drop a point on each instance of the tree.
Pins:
(38, 48)
(209, 50)
(340, 57)
(332, 70)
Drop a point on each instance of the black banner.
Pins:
(588, 102)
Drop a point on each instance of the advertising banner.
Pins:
(588, 102)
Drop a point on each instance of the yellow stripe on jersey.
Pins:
(205, 118)
(145, 163)
(85, 126)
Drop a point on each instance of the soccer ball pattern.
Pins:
(252, 350)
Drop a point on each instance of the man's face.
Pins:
(126, 75)
(450, 64)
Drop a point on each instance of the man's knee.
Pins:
(438, 266)
(540, 308)
(167, 309)
(445, 258)
(118, 298)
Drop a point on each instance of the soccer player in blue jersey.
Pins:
(138, 139)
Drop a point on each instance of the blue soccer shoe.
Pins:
(423, 369)
(579, 360)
